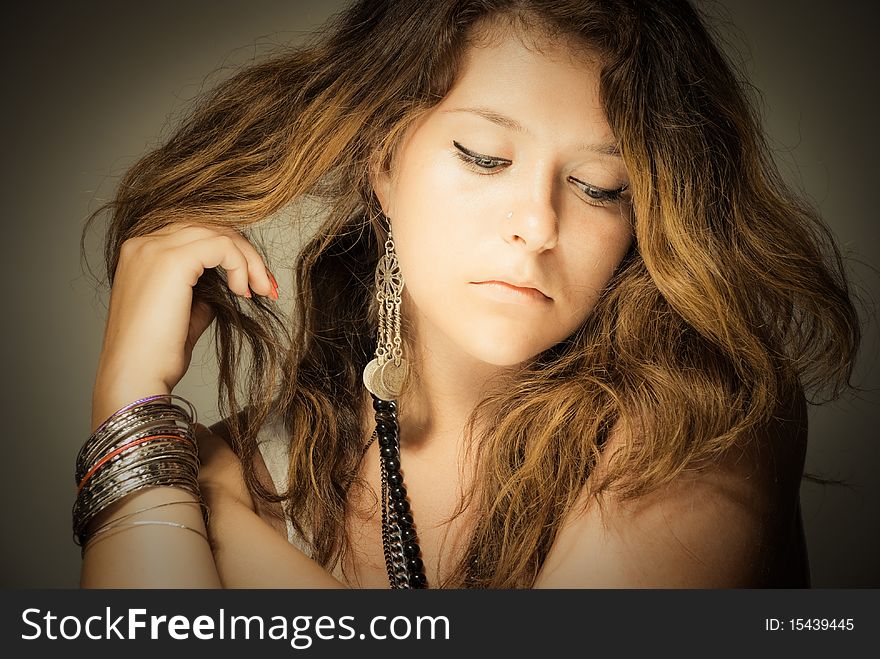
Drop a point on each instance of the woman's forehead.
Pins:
(524, 90)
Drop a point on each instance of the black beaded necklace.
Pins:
(399, 542)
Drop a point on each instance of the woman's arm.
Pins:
(248, 552)
(245, 551)
(154, 321)
(720, 528)
(152, 556)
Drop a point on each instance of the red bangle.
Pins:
(100, 463)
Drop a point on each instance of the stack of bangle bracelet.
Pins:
(147, 443)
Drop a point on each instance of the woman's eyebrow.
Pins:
(602, 148)
(495, 117)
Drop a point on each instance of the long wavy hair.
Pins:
(731, 303)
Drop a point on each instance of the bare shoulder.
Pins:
(723, 526)
(220, 470)
(220, 465)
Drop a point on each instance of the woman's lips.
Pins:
(507, 292)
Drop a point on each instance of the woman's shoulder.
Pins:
(268, 462)
(724, 525)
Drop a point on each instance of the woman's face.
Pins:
(503, 204)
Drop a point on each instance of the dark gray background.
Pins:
(89, 86)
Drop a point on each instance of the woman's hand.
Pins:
(153, 323)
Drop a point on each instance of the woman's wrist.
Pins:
(111, 396)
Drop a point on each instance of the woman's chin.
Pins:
(505, 354)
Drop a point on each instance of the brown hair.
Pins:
(731, 300)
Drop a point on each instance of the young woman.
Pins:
(555, 329)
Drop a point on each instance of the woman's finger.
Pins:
(258, 279)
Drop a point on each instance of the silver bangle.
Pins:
(147, 522)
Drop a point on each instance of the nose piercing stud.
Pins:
(510, 215)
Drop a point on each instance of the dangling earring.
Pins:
(385, 374)
(384, 377)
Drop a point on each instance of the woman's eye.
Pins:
(488, 163)
(599, 196)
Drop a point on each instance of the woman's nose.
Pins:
(533, 222)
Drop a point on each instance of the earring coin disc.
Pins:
(393, 376)
(385, 381)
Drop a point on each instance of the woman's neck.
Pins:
(445, 388)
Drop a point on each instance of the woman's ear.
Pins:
(380, 181)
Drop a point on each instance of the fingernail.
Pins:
(274, 284)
